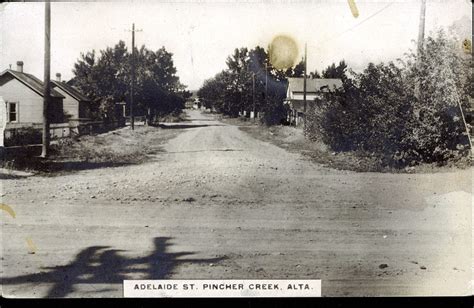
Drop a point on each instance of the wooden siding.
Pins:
(30, 104)
(70, 104)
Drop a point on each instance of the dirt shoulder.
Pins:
(293, 140)
(111, 149)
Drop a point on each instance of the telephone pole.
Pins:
(46, 84)
(304, 89)
(253, 94)
(132, 85)
(266, 82)
(420, 44)
(421, 29)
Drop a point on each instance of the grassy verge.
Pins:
(292, 139)
(173, 118)
(114, 148)
(240, 121)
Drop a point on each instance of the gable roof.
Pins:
(70, 90)
(314, 85)
(31, 82)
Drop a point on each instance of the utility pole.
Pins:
(421, 29)
(266, 82)
(132, 120)
(468, 133)
(46, 84)
(420, 43)
(304, 89)
(253, 94)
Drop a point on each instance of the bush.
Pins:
(24, 136)
(380, 114)
(274, 113)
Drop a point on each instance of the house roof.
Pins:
(314, 85)
(70, 90)
(30, 81)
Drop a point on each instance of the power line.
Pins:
(358, 24)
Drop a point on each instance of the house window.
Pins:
(12, 112)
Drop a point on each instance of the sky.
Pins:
(202, 33)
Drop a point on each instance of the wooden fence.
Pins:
(31, 134)
(251, 114)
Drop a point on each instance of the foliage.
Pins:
(404, 114)
(106, 79)
(333, 71)
(24, 136)
(232, 90)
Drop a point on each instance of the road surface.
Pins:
(217, 203)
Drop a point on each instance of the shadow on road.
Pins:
(202, 119)
(185, 126)
(199, 151)
(58, 166)
(103, 265)
(9, 176)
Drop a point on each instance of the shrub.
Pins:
(24, 136)
(380, 113)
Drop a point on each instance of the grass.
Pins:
(293, 140)
(115, 148)
(173, 118)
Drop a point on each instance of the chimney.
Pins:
(58, 77)
(19, 66)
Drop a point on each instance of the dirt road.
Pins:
(216, 203)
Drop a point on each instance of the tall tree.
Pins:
(106, 79)
(335, 71)
(233, 89)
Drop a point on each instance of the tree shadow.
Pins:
(202, 119)
(185, 126)
(200, 151)
(57, 166)
(70, 166)
(10, 176)
(103, 265)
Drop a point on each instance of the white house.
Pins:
(23, 96)
(75, 104)
(315, 88)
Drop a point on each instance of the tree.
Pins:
(85, 74)
(231, 91)
(315, 74)
(379, 114)
(333, 71)
(106, 80)
(438, 131)
(296, 71)
(159, 91)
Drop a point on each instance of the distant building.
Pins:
(75, 104)
(23, 96)
(315, 88)
(197, 104)
(189, 104)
